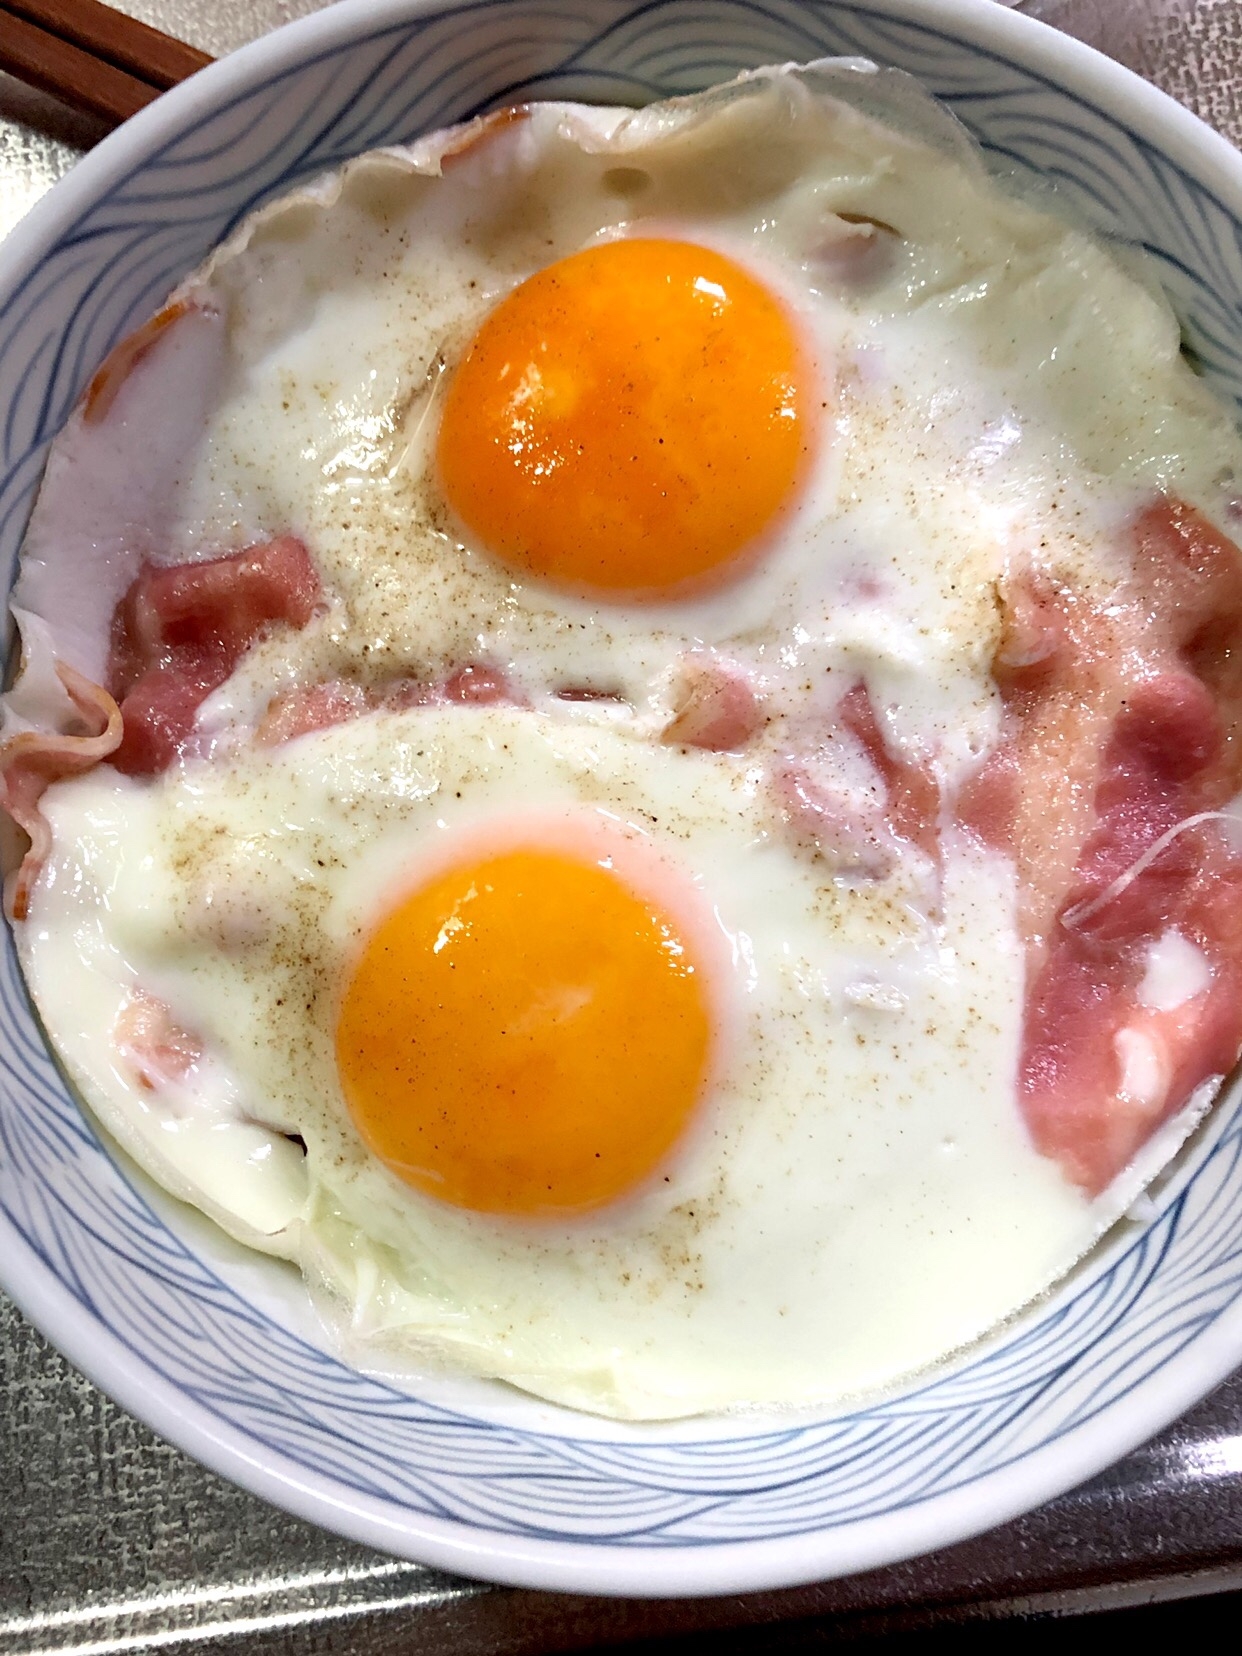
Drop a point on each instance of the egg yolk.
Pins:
(524, 1035)
(629, 420)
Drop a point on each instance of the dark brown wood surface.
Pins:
(115, 38)
(91, 57)
(75, 77)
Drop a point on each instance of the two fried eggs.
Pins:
(768, 1149)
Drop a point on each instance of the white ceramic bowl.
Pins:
(216, 1350)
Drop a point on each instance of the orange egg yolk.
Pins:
(628, 421)
(524, 1035)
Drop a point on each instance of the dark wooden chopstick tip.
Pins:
(91, 56)
(74, 76)
(123, 41)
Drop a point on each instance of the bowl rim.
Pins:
(1151, 113)
(698, 1569)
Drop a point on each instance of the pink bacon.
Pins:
(32, 760)
(861, 832)
(314, 707)
(1120, 745)
(718, 707)
(179, 632)
(153, 1044)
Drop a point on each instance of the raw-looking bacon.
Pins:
(588, 693)
(717, 706)
(476, 685)
(859, 830)
(844, 825)
(320, 706)
(1120, 745)
(32, 760)
(1059, 670)
(912, 806)
(180, 631)
(153, 1044)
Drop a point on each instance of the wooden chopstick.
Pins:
(90, 56)
(120, 40)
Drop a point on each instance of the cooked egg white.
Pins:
(993, 382)
(857, 1196)
(854, 1199)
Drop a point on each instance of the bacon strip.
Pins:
(314, 707)
(1122, 728)
(845, 826)
(913, 794)
(153, 1044)
(1058, 669)
(861, 831)
(718, 708)
(476, 685)
(32, 760)
(319, 707)
(179, 632)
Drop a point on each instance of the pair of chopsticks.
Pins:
(90, 56)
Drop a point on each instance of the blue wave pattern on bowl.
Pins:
(1112, 1327)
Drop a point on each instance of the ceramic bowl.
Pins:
(216, 1350)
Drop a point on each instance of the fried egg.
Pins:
(790, 1153)
(534, 1034)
